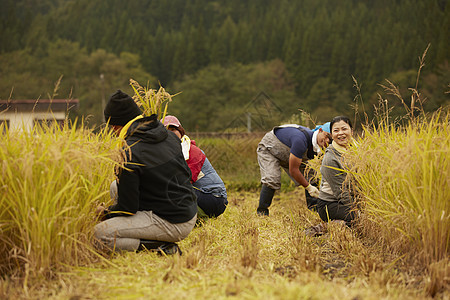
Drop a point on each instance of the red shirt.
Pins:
(195, 161)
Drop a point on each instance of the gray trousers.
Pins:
(272, 156)
(125, 233)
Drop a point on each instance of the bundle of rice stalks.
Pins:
(402, 174)
(151, 101)
(52, 179)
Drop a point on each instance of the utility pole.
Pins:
(249, 122)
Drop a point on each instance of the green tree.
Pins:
(214, 96)
(26, 75)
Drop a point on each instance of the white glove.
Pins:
(313, 191)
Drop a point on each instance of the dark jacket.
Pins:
(156, 176)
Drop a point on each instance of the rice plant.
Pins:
(403, 176)
(150, 100)
(52, 179)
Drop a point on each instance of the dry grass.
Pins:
(242, 256)
(402, 175)
(51, 179)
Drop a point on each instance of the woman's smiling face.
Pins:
(341, 132)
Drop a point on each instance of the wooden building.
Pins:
(24, 114)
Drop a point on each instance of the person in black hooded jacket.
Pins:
(155, 202)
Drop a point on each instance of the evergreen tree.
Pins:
(319, 42)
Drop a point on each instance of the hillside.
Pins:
(303, 54)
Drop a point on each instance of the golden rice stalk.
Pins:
(151, 101)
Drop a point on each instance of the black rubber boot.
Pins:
(265, 200)
(160, 247)
(169, 249)
(149, 245)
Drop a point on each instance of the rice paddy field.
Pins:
(53, 178)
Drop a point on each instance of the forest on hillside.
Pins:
(221, 56)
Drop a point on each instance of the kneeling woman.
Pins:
(208, 186)
(335, 198)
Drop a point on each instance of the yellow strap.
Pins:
(124, 130)
(120, 212)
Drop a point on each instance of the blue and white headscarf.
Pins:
(325, 127)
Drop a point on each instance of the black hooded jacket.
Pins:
(156, 177)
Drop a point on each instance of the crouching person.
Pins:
(208, 186)
(155, 204)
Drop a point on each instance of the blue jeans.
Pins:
(213, 206)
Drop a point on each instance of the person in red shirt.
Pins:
(208, 186)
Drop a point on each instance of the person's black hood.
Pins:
(148, 129)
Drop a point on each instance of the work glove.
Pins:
(313, 191)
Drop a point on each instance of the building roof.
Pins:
(39, 105)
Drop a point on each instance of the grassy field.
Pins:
(54, 178)
(243, 256)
